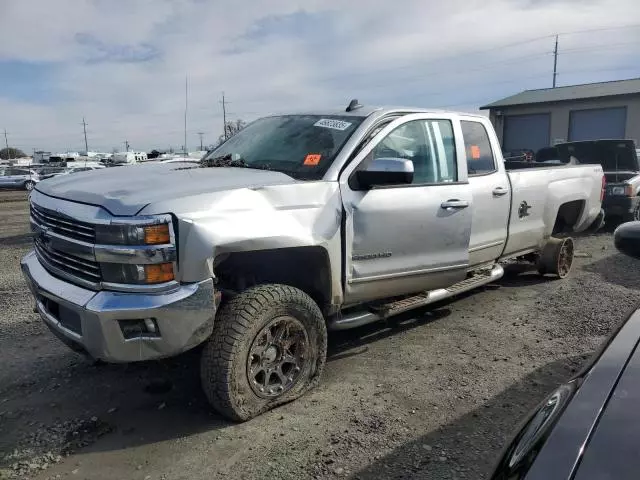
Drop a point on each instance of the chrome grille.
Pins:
(62, 225)
(65, 263)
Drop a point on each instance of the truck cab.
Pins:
(297, 225)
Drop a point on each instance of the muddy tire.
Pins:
(557, 257)
(268, 347)
(633, 216)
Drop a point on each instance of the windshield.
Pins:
(302, 146)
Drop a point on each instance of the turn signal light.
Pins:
(159, 273)
(628, 191)
(157, 234)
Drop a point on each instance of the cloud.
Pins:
(122, 64)
(98, 51)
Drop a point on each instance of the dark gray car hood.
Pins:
(127, 190)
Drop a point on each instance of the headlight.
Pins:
(133, 234)
(137, 274)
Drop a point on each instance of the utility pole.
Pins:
(201, 134)
(86, 145)
(6, 142)
(185, 114)
(126, 145)
(224, 117)
(555, 62)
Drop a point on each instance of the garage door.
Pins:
(596, 124)
(526, 132)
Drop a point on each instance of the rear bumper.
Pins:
(619, 205)
(93, 321)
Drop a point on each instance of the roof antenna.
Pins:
(353, 105)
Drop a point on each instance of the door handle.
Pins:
(454, 204)
(499, 191)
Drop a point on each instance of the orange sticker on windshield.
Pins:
(312, 159)
(475, 152)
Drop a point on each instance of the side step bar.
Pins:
(382, 312)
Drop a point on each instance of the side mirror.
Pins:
(626, 238)
(386, 171)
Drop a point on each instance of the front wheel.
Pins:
(28, 185)
(268, 347)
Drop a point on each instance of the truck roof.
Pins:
(367, 110)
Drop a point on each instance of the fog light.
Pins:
(139, 328)
(150, 324)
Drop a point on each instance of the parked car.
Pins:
(296, 225)
(66, 171)
(589, 427)
(19, 178)
(619, 160)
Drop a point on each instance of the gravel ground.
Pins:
(434, 395)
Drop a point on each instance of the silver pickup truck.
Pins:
(297, 225)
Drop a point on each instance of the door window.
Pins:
(429, 144)
(477, 147)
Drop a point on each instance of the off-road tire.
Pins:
(223, 364)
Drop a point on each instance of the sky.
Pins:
(122, 64)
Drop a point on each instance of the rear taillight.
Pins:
(603, 189)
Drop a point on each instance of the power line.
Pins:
(224, 117)
(185, 113)
(6, 142)
(555, 62)
(86, 146)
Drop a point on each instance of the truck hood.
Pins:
(127, 190)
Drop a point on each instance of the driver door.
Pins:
(406, 238)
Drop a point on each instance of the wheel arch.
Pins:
(567, 216)
(307, 268)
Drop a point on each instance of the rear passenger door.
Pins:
(490, 190)
(402, 239)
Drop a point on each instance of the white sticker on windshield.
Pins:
(334, 124)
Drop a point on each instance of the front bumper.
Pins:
(93, 321)
(619, 206)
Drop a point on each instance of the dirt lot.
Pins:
(434, 395)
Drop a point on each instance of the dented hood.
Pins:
(127, 190)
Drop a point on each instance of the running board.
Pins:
(382, 312)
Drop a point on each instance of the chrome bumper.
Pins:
(93, 321)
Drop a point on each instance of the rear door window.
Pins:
(480, 159)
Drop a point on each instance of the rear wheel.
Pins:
(28, 185)
(268, 347)
(557, 257)
(635, 215)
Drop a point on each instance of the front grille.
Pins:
(61, 262)
(63, 225)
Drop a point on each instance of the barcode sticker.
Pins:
(334, 124)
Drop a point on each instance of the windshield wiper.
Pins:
(225, 161)
(228, 161)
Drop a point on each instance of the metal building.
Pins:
(539, 118)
